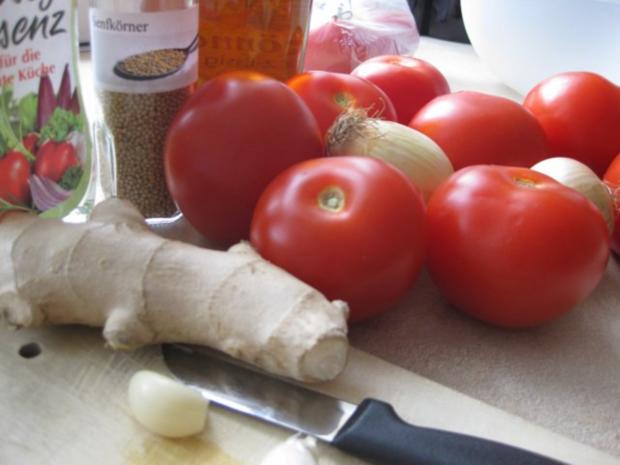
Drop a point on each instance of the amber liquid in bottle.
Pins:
(261, 35)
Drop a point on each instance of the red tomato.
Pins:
(513, 247)
(408, 82)
(54, 159)
(580, 114)
(612, 179)
(14, 174)
(352, 227)
(231, 138)
(329, 94)
(475, 128)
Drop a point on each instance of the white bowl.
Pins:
(526, 41)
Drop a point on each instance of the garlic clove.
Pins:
(166, 407)
(294, 451)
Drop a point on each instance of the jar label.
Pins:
(45, 149)
(148, 52)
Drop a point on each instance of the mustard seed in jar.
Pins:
(138, 124)
(144, 71)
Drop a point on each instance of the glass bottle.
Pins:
(144, 55)
(47, 164)
(268, 36)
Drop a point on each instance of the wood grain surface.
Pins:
(68, 406)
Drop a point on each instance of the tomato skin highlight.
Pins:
(580, 114)
(410, 83)
(329, 94)
(475, 128)
(512, 247)
(365, 244)
(231, 138)
(612, 179)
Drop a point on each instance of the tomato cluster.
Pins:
(503, 243)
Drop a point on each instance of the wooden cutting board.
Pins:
(68, 405)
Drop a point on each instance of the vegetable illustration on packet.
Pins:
(44, 147)
(43, 144)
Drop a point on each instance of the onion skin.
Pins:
(578, 176)
(414, 153)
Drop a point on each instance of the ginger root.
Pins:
(143, 289)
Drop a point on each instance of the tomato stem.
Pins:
(332, 199)
(524, 182)
(344, 99)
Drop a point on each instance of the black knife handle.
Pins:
(376, 433)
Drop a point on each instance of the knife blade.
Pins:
(371, 430)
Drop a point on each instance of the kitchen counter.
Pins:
(553, 389)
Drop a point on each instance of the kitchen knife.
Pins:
(371, 430)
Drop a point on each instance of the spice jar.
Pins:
(268, 36)
(145, 63)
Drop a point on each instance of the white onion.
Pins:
(414, 153)
(294, 451)
(578, 176)
(166, 407)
